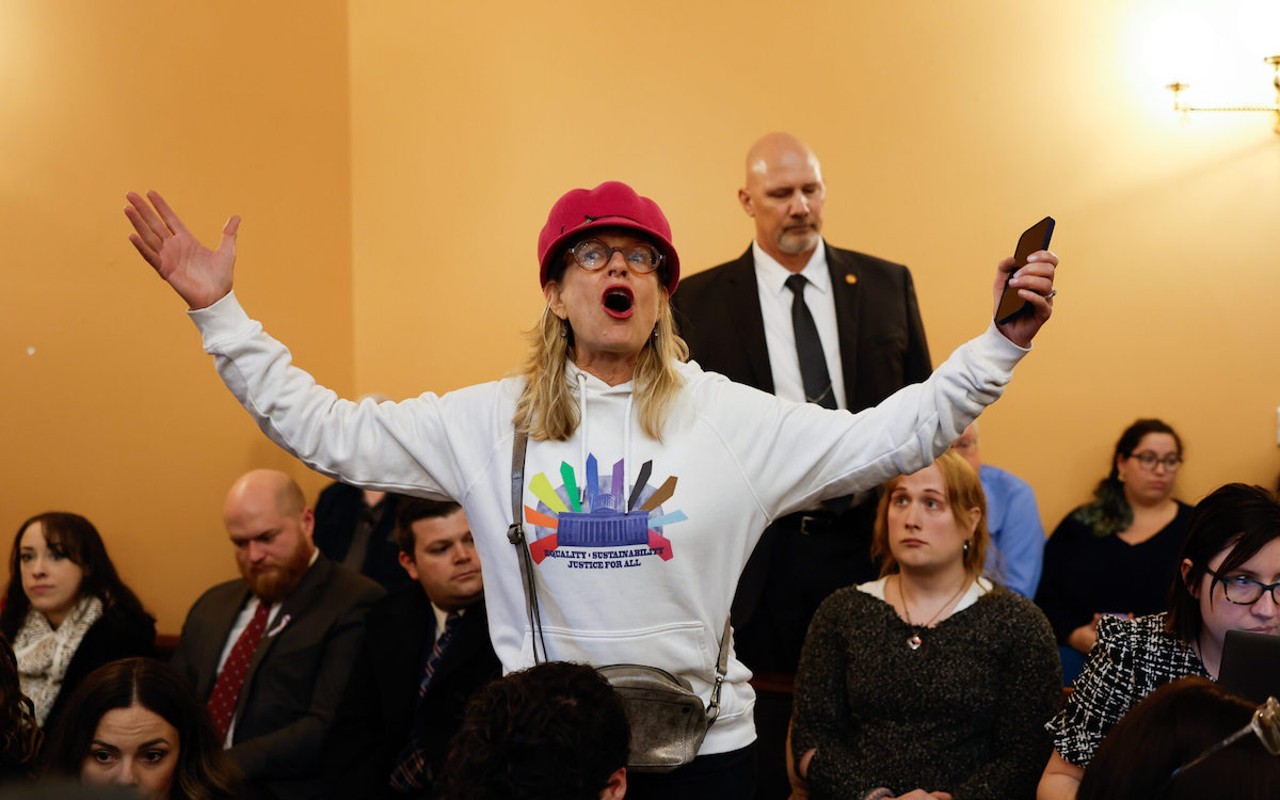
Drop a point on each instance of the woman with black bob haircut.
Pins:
(136, 722)
(1227, 580)
(1115, 556)
(66, 611)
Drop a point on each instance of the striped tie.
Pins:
(410, 772)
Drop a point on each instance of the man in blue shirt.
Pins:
(1013, 518)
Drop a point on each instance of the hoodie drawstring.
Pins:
(620, 493)
(581, 378)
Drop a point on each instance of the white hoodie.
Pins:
(732, 459)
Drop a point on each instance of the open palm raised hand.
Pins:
(199, 275)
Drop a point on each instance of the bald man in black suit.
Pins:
(737, 319)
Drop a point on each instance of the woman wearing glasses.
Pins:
(1228, 579)
(646, 482)
(1117, 554)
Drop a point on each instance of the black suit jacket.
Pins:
(338, 511)
(296, 676)
(377, 712)
(882, 341)
(882, 349)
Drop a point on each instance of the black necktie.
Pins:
(813, 363)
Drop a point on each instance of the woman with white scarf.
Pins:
(66, 611)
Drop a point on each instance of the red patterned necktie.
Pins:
(226, 691)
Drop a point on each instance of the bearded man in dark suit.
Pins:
(865, 340)
(269, 653)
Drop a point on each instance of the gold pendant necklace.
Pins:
(914, 641)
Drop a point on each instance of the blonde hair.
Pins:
(547, 408)
(964, 492)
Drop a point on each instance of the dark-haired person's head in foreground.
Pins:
(136, 722)
(556, 731)
(20, 734)
(1170, 728)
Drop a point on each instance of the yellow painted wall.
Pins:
(945, 128)
(393, 162)
(114, 412)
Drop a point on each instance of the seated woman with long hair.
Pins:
(931, 679)
(1117, 554)
(1227, 581)
(20, 735)
(136, 722)
(1171, 729)
(66, 611)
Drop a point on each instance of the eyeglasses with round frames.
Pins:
(593, 255)
(1244, 591)
(1148, 461)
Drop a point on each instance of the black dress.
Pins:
(1086, 574)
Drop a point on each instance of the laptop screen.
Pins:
(1251, 665)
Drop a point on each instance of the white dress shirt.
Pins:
(780, 335)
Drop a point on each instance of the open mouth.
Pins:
(618, 301)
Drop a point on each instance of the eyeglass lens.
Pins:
(1245, 591)
(594, 254)
(1149, 460)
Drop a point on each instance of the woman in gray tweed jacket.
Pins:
(931, 682)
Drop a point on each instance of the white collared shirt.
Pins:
(779, 335)
(442, 617)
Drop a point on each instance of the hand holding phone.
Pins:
(1033, 239)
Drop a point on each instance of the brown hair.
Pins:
(20, 734)
(205, 771)
(555, 731)
(75, 537)
(964, 492)
(413, 509)
(1170, 727)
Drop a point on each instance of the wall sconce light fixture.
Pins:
(1274, 61)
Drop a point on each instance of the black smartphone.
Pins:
(1035, 238)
